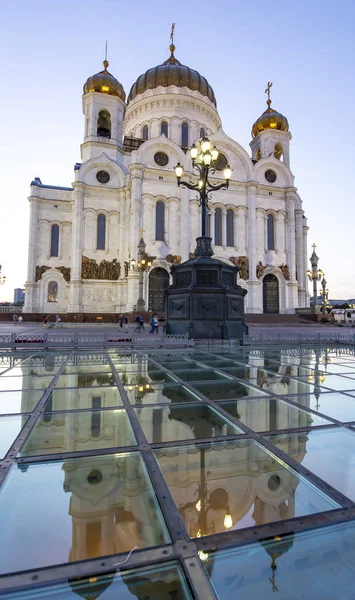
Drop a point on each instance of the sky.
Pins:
(306, 48)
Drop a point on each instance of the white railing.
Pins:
(11, 309)
(298, 338)
(90, 340)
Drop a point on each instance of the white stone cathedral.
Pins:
(84, 239)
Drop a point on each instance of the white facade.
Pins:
(57, 281)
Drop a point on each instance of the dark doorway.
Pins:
(271, 304)
(158, 283)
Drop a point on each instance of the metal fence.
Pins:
(90, 340)
(324, 339)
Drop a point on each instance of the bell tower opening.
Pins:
(104, 124)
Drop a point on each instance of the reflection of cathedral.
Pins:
(83, 238)
(110, 501)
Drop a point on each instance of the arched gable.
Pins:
(87, 173)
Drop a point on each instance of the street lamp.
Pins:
(144, 262)
(325, 293)
(314, 275)
(3, 278)
(204, 156)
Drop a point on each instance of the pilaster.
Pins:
(75, 304)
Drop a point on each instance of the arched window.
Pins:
(104, 124)
(164, 129)
(278, 152)
(184, 135)
(202, 132)
(52, 295)
(145, 132)
(160, 222)
(270, 232)
(55, 240)
(218, 227)
(101, 232)
(258, 154)
(96, 417)
(230, 227)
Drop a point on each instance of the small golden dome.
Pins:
(105, 83)
(172, 72)
(270, 119)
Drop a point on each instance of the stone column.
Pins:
(185, 224)
(305, 258)
(260, 233)
(31, 300)
(174, 132)
(254, 286)
(280, 234)
(135, 221)
(77, 243)
(292, 299)
(224, 228)
(300, 268)
(194, 132)
(173, 224)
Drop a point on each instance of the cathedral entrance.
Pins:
(158, 283)
(271, 304)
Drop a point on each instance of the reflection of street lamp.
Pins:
(204, 157)
(314, 275)
(144, 263)
(317, 377)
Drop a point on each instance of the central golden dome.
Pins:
(172, 72)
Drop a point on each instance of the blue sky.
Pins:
(306, 48)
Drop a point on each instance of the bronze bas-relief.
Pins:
(65, 271)
(90, 269)
(243, 263)
(174, 259)
(40, 271)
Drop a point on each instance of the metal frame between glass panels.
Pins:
(182, 548)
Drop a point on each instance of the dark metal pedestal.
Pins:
(204, 298)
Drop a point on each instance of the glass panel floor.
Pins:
(178, 474)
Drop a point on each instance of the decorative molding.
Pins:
(90, 269)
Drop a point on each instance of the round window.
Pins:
(161, 159)
(102, 177)
(270, 176)
(95, 477)
(274, 483)
(221, 162)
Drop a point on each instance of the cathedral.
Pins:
(83, 240)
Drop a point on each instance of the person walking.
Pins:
(121, 321)
(156, 325)
(45, 321)
(15, 318)
(57, 322)
(125, 323)
(138, 320)
(152, 323)
(141, 322)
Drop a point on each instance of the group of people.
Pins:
(153, 324)
(17, 319)
(47, 324)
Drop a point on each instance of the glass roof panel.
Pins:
(77, 509)
(183, 422)
(234, 485)
(10, 427)
(329, 453)
(20, 401)
(59, 432)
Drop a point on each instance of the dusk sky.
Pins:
(306, 48)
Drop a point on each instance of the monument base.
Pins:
(205, 299)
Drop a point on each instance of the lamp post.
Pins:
(325, 293)
(204, 156)
(144, 262)
(3, 278)
(314, 275)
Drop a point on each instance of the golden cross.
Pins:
(106, 51)
(172, 33)
(141, 230)
(268, 88)
(314, 247)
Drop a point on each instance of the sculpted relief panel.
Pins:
(90, 269)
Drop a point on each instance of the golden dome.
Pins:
(270, 119)
(105, 83)
(171, 72)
